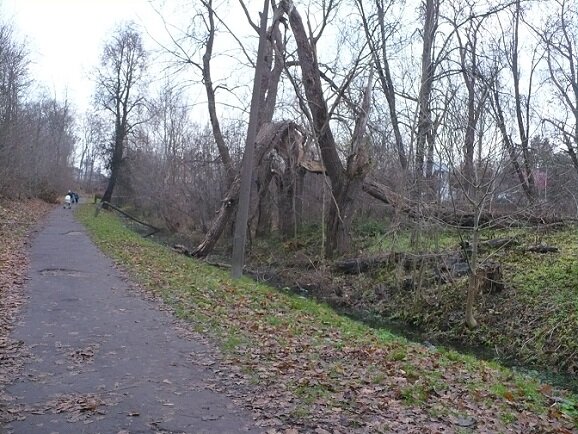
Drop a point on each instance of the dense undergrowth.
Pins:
(302, 365)
(531, 322)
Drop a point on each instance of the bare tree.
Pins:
(476, 80)
(186, 50)
(378, 32)
(561, 44)
(93, 143)
(424, 131)
(346, 182)
(520, 154)
(122, 68)
(43, 158)
(14, 81)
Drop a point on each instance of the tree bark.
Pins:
(345, 184)
(424, 121)
(115, 168)
(270, 136)
(242, 218)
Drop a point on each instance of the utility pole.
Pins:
(240, 236)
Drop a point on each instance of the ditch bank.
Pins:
(434, 316)
(512, 331)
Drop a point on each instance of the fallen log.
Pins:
(127, 215)
(498, 243)
(542, 248)
(407, 260)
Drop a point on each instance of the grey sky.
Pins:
(65, 38)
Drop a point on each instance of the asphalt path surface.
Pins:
(103, 358)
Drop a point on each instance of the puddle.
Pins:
(72, 233)
(62, 272)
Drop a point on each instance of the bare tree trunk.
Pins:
(270, 136)
(345, 183)
(115, 168)
(473, 283)
(210, 91)
(470, 72)
(240, 236)
(424, 123)
(520, 115)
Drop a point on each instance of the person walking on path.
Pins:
(102, 358)
(67, 200)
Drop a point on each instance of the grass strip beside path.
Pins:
(302, 366)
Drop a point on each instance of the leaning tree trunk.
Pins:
(218, 225)
(344, 183)
(115, 167)
(271, 136)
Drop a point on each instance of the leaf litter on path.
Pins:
(16, 221)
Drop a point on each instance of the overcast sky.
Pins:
(65, 38)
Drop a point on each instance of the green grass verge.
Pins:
(318, 355)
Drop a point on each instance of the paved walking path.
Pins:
(105, 360)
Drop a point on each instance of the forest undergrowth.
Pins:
(301, 366)
(530, 322)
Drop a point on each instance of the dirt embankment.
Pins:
(423, 297)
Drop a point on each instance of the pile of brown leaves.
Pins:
(17, 219)
(86, 408)
(307, 383)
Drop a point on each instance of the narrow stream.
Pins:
(411, 333)
(414, 334)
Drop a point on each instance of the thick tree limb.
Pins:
(105, 204)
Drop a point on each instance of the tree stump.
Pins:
(490, 278)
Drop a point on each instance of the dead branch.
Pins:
(124, 213)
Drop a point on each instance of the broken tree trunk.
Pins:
(345, 182)
(491, 280)
(271, 136)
